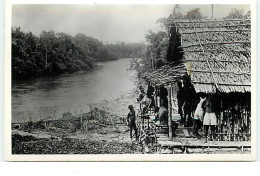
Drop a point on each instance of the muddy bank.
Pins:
(32, 145)
(104, 140)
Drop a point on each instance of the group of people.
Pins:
(205, 111)
(147, 101)
(161, 109)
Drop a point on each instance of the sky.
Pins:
(107, 23)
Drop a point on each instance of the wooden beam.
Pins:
(208, 21)
(210, 43)
(219, 144)
(170, 110)
(207, 31)
(222, 84)
(204, 26)
(193, 60)
(224, 72)
(216, 50)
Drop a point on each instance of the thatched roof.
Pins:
(218, 54)
(166, 74)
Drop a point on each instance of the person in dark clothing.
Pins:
(131, 120)
(150, 95)
(163, 97)
(150, 91)
(180, 98)
(163, 91)
(189, 94)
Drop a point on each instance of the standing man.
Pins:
(163, 96)
(190, 94)
(180, 98)
(131, 121)
(210, 119)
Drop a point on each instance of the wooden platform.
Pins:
(201, 144)
(184, 140)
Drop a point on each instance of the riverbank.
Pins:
(104, 140)
(97, 132)
(84, 113)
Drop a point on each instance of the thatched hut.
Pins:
(217, 57)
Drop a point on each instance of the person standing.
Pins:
(180, 98)
(150, 95)
(163, 96)
(131, 121)
(210, 119)
(189, 96)
(198, 117)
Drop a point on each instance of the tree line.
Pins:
(54, 53)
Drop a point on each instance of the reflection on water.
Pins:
(52, 96)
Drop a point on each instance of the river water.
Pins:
(110, 82)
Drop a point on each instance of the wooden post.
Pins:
(154, 94)
(170, 110)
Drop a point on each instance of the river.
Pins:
(110, 82)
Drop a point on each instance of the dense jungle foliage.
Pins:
(53, 53)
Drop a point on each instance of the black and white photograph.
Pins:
(146, 80)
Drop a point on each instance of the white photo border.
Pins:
(124, 157)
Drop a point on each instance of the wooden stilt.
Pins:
(169, 110)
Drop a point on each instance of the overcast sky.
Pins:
(108, 23)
